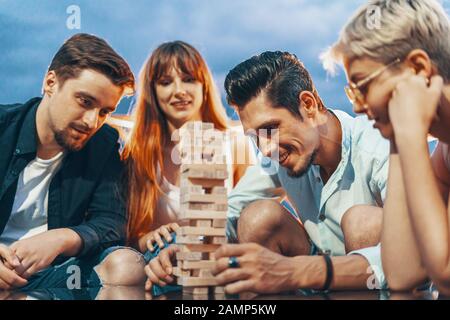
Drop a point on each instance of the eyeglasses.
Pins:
(353, 90)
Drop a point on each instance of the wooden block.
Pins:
(219, 232)
(189, 256)
(196, 281)
(204, 183)
(207, 160)
(206, 273)
(199, 247)
(194, 189)
(203, 264)
(196, 208)
(206, 174)
(198, 214)
(219, 290)
(219, 190)
(196, 290)
(200, 223)
(189, 239)
(219, 240)
(201, 171)
(204, 198)
(219, 223)
(178, 272)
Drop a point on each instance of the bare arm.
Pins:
(427, 209)
(264, 271)
(399, 252)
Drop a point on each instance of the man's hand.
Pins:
(159, 270)
(260, 270)
(38, 252)
(9, 279)
(414, 104)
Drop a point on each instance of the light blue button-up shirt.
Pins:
(360, 178)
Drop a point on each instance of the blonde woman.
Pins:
(399, 76)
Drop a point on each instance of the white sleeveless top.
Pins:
(168, 206)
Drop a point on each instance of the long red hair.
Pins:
(143, 152)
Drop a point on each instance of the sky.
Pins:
(226, 32)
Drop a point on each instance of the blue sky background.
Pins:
(226, 32)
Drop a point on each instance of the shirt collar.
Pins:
(347, 123)
(27, 141)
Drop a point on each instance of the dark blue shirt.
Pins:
(83, 195)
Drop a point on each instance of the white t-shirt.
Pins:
(29, 211)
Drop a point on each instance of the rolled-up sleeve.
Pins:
(373, 256)
(254, 185)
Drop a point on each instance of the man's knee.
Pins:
(259, 220)
(123, 267)
(361, 226)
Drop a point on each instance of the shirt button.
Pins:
(14, 172)
(17, 151)
(322, 217)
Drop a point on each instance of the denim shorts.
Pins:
(62, 275)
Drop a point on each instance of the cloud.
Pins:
(225, 32)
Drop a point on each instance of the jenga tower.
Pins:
(203, 198)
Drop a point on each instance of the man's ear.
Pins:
(50, 83)
(419, 60)
(308, 104)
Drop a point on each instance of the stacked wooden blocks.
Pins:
(203, 198)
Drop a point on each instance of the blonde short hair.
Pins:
(402, 26)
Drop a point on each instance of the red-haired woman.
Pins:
(175, 86)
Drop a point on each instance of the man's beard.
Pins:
(302, 171)
(63, 139)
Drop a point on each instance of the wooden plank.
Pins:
(200, 223)
(204, 198)
(199, 214)
(219, 223)
(205, 183)
(196, 290)
(219, 190)
(190, 239)
(178, 272)
(219, 290)
(206, 273)
(196, 281)
(201, 231)
(219, 240)
(199, 247)
(192, 189)
(189, 256)
(203, 264)
(202, 171)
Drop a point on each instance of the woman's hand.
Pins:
(160, 269)
(157, 236)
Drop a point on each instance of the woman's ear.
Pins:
(419, 60)
(50, 83)
(308, 103)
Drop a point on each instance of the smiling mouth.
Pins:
(181, 103)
